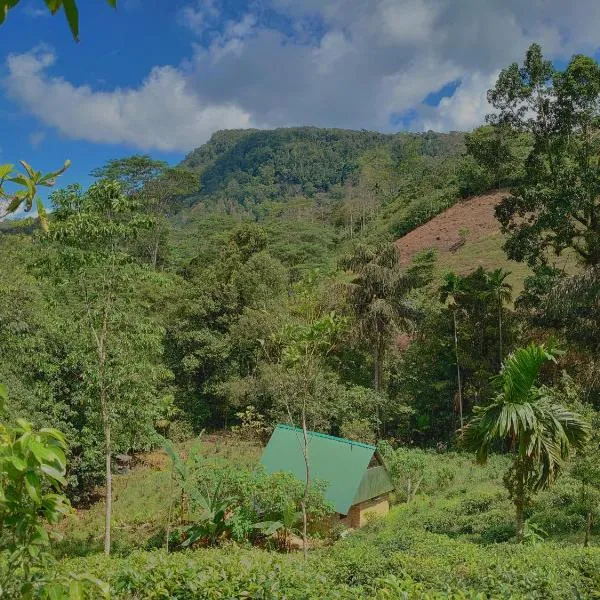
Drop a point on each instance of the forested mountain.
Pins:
(304, 160)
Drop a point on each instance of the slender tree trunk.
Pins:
(588, 529)
(458, 379)
(500, 331)
(519, 501)
(306, 485)
(108, 493)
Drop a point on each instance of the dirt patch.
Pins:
(466, 222)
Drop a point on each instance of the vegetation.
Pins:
(258, 282)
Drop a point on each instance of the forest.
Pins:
(157, 325)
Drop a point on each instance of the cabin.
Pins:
(358, 484)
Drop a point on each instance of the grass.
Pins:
(141, 500)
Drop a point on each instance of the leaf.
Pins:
(76, 589)
(54, 473)
(48, 454)
(53, 5)
(32, 485)
(18, 463)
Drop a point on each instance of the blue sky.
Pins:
(160, 76)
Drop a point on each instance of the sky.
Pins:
(160, 76)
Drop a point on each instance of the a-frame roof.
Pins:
(340, 462)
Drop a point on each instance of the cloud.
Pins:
(339, 63)
(36, 138)
(162, 113)
(199, 16)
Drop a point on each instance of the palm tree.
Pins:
(541, 433)
(450, 291)
(378, 294)
(502, 292)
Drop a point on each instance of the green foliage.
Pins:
(32, 476)
(540, 432)
(559, 192)
(29, 181)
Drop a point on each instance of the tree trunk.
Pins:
(520, 518)
(306, 486)
(519, 501)
(500, 331)
(460, 402)
(108, 493)
(588, 529)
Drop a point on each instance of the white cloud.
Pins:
(364, 62)
(199, 16)
(36, 138)
(162, 113)
(465, 109)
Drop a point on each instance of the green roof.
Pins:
(342, 463)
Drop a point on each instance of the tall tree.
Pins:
(157, 188)
(378, 298)
(448, 293)
(501, 291)
(557, 205)
(120, 345)
(527, 417)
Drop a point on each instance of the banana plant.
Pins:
(28, 183)
(214, 518)
(284, 527)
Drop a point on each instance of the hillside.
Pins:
(252, 166)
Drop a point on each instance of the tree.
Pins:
(378, 298)
(304, 346)
(449, 292)
(120, 346)
(557, 204)
(69, 7)
(156, 188)
(501, 292)
(498, 150)
(540, 433)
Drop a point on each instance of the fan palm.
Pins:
(541, 433)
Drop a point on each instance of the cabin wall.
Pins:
(359, 514)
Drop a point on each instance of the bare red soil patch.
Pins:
(471, 219)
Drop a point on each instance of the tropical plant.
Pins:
(283, 526)
(501, 290)
(32, 477)
(214, 520)
(28, 182)
(448, 293)
(539, 432)
(555, 206)
(377, 295)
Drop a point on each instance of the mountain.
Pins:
(253, 166)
